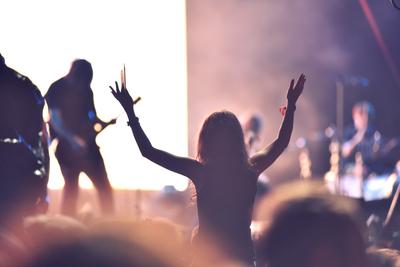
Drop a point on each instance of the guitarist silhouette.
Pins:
(74, 122)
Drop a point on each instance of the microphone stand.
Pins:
(339, 133)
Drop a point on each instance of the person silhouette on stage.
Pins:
(24, 158)
(72, 121)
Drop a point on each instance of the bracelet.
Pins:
(283, 109)
(135, 121)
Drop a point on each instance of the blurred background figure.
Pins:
(252, 135)
(368, 159)
(252, 131)
(361, 143)
(361, 138)
(74, 122)
(379, 155)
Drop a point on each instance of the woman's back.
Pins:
(225, 183)
(225, 198)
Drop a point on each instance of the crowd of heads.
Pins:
(302, 225)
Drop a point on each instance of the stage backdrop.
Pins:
(41, 38)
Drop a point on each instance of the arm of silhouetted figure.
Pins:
(182, 165)
(349, 146)
(264, 158)
(58, 125)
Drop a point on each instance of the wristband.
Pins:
(135, 120)
(283, 109)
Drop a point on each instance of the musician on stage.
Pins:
(24, 157)
(252, 130)
(362, 141)
(72, 120)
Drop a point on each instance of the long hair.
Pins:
(308, 223)
(221, 140)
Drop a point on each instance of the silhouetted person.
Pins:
(21, 117)
(224, 176)
(362, 139)
(23, 158)
(252, 131)
(23, 154)
(72, 120)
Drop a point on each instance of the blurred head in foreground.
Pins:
(43, 231)
(98, 251)
(308, 227)
(159, 236)
(122, 243)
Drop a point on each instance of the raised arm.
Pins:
(350, 145)
(182, 165)
(264, 158)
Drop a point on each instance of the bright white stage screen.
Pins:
(41, 38)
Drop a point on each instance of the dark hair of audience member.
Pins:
(160, 236)
(221, 140)
(311, 228)
(43, 231)
(98, 251)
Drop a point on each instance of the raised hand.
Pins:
(295, 91)
(123, 96)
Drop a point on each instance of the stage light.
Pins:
(41, 38)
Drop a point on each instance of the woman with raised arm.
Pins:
(224, 176)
